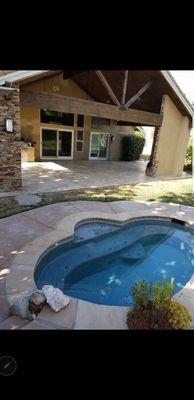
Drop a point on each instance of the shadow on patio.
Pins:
(40, 177)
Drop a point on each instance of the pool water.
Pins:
(104, 261)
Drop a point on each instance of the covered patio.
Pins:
(84, 115)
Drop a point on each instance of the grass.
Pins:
(173, 191)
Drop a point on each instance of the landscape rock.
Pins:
(55, 297)
(37, 301)
(21, 307)
(27, 199)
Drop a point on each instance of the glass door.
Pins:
(57, 143)
(49, 143)
(99, 145)
(65, 144)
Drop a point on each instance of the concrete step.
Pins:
(13, 323)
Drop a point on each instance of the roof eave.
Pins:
(171, 81)
(18, 76)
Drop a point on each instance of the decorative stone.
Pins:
(36, 302)
(55, 297)
(27, 199)
(21, 307)
(10, 143)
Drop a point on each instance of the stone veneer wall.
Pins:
(10, 143)
(152, 166)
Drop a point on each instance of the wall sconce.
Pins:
(8, 124)
(113, 138)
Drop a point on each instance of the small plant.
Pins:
(155, 309)
(162, 293)
(140, 293)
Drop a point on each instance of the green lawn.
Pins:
(173, 191)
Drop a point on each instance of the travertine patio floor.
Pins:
(55, 176)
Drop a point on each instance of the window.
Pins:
(80, 135)
(79, 140)
(100, 122)
(80, 121)
(79, 146)
(56, 117)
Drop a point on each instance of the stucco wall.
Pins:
(30, 116)
(172, 139)
(31, 126)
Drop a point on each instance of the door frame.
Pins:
(57, 149)
(99, 133)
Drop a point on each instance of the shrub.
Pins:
(132, 146)
(189, 154)
(179, 316)
(188, 159)
(154, 308)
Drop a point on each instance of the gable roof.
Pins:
(115, 77)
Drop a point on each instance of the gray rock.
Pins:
(37, 301)
(21, 307)
(27, 199)
(55, 298)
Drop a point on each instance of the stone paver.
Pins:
(63, 319)
(36, 325)
(95, 316)
(13, 323)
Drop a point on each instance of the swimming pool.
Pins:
(104, 260)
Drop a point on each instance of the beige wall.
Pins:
(173, 139)
(31, 126)
(30, 116)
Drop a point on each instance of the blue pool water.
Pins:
(103, 261)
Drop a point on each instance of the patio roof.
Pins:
(158, 83)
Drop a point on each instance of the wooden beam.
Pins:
(108, 88)
(138, 94)
(57, 102)
(125, 87)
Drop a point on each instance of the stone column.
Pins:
(151, 169)
(10, 143)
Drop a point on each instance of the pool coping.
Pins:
(20, 279)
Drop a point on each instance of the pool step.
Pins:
(13, 323)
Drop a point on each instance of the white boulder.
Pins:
(55, 297)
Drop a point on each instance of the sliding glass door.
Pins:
(99, 146)
(57, 143)
(49, 143)
(65, 144)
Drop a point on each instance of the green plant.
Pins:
(132, 146)
(189, 154)
(154, 308)
(162, 293)
(140, 293)
(178, 316)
